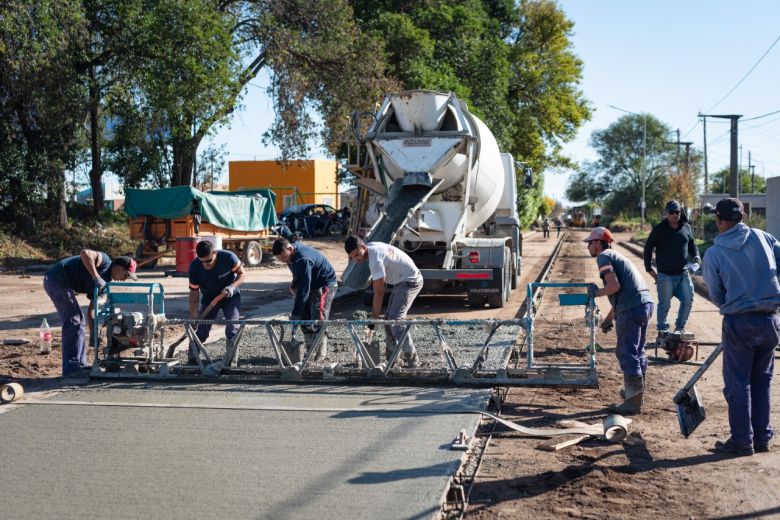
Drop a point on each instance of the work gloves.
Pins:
(229, 291)
(592, 290)
(100, 284)
(607, 325)
(371, 326)
(697, 260)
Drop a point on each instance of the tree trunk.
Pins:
(184, 160)
(56, 195)
(96, 173)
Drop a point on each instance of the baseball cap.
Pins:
(729, 209)
(600, 233)
(673, 205)
(129, 264)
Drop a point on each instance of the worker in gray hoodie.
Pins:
(741, 274)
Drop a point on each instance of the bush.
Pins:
(48, 242)
(622, 224)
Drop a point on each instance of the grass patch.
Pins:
(109, 233)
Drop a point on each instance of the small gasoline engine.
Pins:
(130, 330)
(679, 346)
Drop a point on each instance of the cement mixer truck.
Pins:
(450, 197)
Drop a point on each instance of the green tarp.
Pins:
(241, 211)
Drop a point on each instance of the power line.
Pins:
(745, 76)
(762, 116)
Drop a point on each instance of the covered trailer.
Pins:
(242, 220)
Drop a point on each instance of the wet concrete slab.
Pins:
(249, 451)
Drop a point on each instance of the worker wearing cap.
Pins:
(632, 308)
(741, 274)
(313, 286)
(81, 274)
(672, 240)
(214, 273)
(390, 265)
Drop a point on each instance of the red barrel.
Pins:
(185, 252)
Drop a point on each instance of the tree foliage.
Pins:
(152, 78)
(720, 182)
(624, 163)
(41, 104)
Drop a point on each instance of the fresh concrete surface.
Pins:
(377, 452)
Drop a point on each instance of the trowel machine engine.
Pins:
(679, 346)
(131, 330)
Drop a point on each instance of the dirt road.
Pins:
(655, 473)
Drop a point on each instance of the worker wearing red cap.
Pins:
(632, 308)
(81, 274)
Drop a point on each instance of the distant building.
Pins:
(755, 203)
(113, 196)
(301, 182)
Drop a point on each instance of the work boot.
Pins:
(634, 390)
(411, 359)
(644, 385)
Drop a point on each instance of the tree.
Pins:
(720, 182)
(512, 65)
(41, 42)
(624, 164)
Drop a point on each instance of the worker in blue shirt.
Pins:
(313, 286)
(81, 274)
(215, 274)
(741, 274)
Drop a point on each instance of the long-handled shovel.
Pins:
(172, 347)
(690, 408)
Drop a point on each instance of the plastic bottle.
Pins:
(45, 334)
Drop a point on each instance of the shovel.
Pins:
(690, 408)
(206, 311)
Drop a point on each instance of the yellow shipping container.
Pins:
(301, 182)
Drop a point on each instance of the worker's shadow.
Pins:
(635, 449)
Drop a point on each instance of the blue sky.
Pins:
(669, 59)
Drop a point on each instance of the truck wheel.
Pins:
(139, 256)
(252, 254)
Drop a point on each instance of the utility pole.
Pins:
(687, 145)
(752, 169)
(734, 173)
(706, 175)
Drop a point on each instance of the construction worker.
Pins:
(214, 274)
(546, 228)
(313, 286)
(741, 274)
(81, 274)
(672, 240)
(632, 308)
(390, 265)
(558, 225)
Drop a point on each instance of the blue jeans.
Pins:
(681, 287)
(631, 331)
(231, 310)
(74, 354)
(749, 342)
